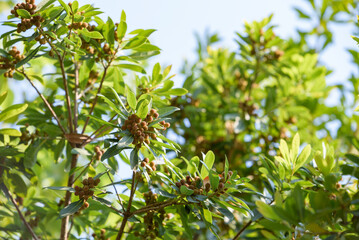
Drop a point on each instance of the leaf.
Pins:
(110, 152)
(65, 6)
(131, 98)
(18, 183)
(100, 120)
(214, 180)
(92, 34)
(23, 13)
(303, 157)
(226, 166)
(208, 160)
(135, 42)
(125, 141)
(207, 215)
(133, 67)
(71, 208)
(70, 189)
(112, 105)
(163, 112)
(12, 111)
(3, 97)
(177, 91)
(186, 191)
(80, 151)
(267, 211)
(134, 158)
(193, 165)
(102, 201)
(30, 156)
(10, 132)
(28, 57)
(143, 109)
(353, 158)
(295, 147)
(44, 4)
(121, 30)
(109, 31)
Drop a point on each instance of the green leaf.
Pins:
(135, 42)
(10, 132)
(303, 157)
(102, 201)
(133, 67)
(177, 91)
(134, 158)
(193, 165)
(353, 158)
(186, 191)
(28, 57)
(112, 105)
(3, 96)
(214, 180)
(121, 30)
(143, 109)
(109, 31)
(207, 215)
(80, 151)
(208, 160)
(163, 112)
(100, 120)
(92, 34)
(267, 211)
(65, 6)
(70, 189)
(23, 13)
(12, 111)
(30, 156)
(295, 147)
(131, 98)
(18, 183)
(71, 208)
(226, 166)
(123, 16)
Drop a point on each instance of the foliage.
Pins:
(258, 161)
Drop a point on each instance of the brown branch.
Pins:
(118, 196)
(95, 100)
(65, 220)
(242, 230)
(127, 213)
(45, 101)
(7, 192)
(158, 206)
(76, 96)
(64, 80)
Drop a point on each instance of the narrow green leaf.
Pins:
(131, 98)
(71, 208)
(303, 157)
(177, 91)
(163, 112)
(65, 6)
(135, 42)
(207, 215)
(295, 147)
(133, 67)
(3, 96)
(186, 191)
(28, 57)
(12, 111)
(30, 156)
(208, 160)
(134, 158)
(121, 30)
(10, 132)
(80, 151)
(70, 189)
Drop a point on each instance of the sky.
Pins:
(177, 21)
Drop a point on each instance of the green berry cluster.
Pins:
(86, 191)
(10, 61)
(150, 166)
(27, 23)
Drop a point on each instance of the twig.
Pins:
(45, 101)
(95, 100)
(76, 96)
(65, 220)
(118, 196)
(18, 210)
(127, 213)
(242, 230)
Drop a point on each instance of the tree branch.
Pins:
(242, 230)
(44, 100)
(76, 96)
(7, 192)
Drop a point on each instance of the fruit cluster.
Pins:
(27, 23)
(99, 153)
(92, 78)
(86, 191)
(9, 62)
(101, 236)
(78, 25)
(150, 166)
(248, 108)
(151, 231)
(194, 184)
(140, 128)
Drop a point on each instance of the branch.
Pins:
(118, 196)
(76, 96)
(44, 100)
(127, 214)
(65, 220)
(7, 192)
(95, 100)
(242, 230)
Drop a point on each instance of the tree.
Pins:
(258, 160)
